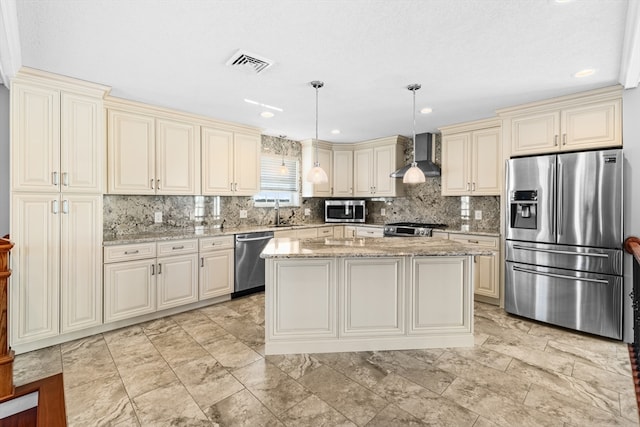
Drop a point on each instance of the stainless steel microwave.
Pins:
(344, 211)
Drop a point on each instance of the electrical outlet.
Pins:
(307, 212)
(243, 213)
(478, 214)
(465, 227)
(157, 217)
(383, 212)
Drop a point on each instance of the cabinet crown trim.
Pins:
(609, 92)
(493, 122)
(60, 82)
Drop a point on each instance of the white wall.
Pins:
(4, 161)
(631, 138)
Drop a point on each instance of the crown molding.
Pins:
(630, 61)
(10, 55)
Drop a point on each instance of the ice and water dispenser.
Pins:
(524, 209)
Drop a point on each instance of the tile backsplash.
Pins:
(124, 215)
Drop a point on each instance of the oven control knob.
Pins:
(422, 232)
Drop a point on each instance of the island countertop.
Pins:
(368, 247)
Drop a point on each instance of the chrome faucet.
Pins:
(277, 209)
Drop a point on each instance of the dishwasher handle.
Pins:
(252, 239)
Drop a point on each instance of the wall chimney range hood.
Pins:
(423, 156)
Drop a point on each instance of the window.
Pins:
(277, 186)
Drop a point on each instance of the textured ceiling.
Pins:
(471, 57)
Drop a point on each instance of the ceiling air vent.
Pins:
(249, 61)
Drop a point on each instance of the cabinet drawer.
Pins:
(369, 232)
(208, 244)
(177, 247)
(129, 252)
(470, 239)
(440, 234)
(325, 232)
(307, 233)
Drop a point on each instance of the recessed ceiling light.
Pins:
(335, 131)
(426, 110)
(271, 107)
(267, 114)
(585, 73)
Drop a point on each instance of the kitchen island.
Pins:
(363, 294)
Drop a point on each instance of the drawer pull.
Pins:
(473, 241)
(175, 248)
(131, 252)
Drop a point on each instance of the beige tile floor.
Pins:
(206, 367)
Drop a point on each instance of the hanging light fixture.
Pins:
(284, 170)
(317, 175)
(414, 174)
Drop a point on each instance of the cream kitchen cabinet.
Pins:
(471, 160)
(148, 155)
(362, 231)
(217, 262)
(325, 158)
(342, 173)
(575, 122)
(486, 267)
(230, 163)
(57, 137)
(56, 285)
(142, 278)
(373, 162)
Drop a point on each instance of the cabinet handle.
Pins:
(65, 206)
(153, 269)
(65, 179)
(131, 252)
(473, 241)
(55, 178)
(175, 248)
(555, 140)
(201, 261)
(235, 186)
(152, 184)
(157, 184)
(564, 139)
(159, 268)
(468, 185)
(473, 186)
(475, 259)
(54, 207)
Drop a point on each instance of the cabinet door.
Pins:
(81, 262)
(596, 125)
(535, 133)
(35, 259)
(177, 278)
(325, 158)
(217, 162)
(342, 173)
(455, 164)
(486, 163)
(246, 164)
(383, 165)
(177, 157)
(131, 153)
(129, 289)
(485, 275)
(372, 297)
(82, 141)
(216, 274)
(35, 132)
(363, 172)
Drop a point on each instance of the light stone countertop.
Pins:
(368, 247)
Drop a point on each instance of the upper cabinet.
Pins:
(373, 162)
(149, 155)
(325, 158)
(471, 159)
(342, 172)
(58, 134)
(576, 122)
(230, 162)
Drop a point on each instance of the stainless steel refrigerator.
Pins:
(564, 240)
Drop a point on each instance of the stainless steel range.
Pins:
(411, 229)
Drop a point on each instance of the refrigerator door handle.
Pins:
(560, 197)
(560, 276)
(559, 252)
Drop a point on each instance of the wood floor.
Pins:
(206, 367)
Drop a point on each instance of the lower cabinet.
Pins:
(216, 274)
(486, 267)
(143, 278)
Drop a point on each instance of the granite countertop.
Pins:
(368, 247)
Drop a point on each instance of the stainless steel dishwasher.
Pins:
(249, 266)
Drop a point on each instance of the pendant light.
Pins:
(414, 174)
(284, 170)
(317, 175)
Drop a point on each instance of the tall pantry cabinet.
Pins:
(57, 182)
